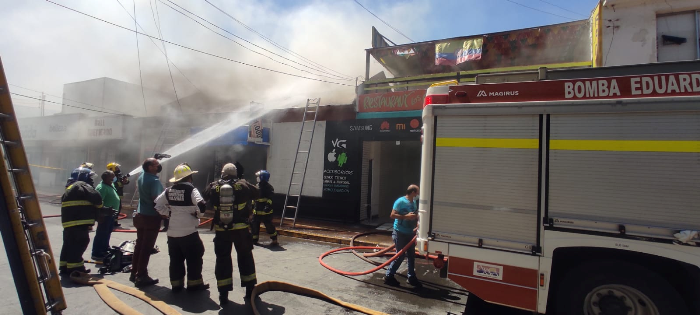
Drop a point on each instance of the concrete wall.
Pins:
(630, 29)
(283, 145)
(105, 94)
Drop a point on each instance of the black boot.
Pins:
(249, 291)
(223, 298)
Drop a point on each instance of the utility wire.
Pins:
(167, 61)
(90, 109)
(272, 42)
(565, 9)
(153, 42)
(538, 10)
(138, 53)
(197, 50)
(63, 98)
(387, 24)
(335, 77)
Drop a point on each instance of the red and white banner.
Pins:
(673, 84)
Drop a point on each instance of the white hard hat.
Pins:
(230, 170)
(182, 171)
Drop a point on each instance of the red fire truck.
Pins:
(575, 193)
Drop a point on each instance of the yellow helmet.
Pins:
(113, 166)
(181, 171)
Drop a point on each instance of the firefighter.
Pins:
(231, 199)
(80, 205)
(263, 208)
(183, 203)
(119, 181)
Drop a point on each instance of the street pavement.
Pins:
(295, 261)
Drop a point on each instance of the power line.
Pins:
(38, 99)
(64, 99)
(538, 10)
(387, 24)
(197, 50)
(154, 43)
(272, 42)
(335, 77)
(138, 54)
(565, 9)
(167, 61)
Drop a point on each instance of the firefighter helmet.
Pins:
(87, 165)
(263, 176)
(181, 171)
(113, 166)
(229, 170)
(81, 174)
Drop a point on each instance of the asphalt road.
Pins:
(296, 262)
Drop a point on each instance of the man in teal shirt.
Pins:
(146, 222)
(105, 222)
(405, 218)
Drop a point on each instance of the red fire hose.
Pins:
(382, 252)
(134, 230)
(120, 217)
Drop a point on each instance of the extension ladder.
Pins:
(299, 167)
(21, 224)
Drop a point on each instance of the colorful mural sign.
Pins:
(390, 102)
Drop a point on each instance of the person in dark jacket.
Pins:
(263, 209)
(80, 206)
(231, 199)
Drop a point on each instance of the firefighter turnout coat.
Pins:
(232, 202)
(80, 206)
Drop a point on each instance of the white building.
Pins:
(648, 31)
(113, 96)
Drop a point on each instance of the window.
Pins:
(677, 36)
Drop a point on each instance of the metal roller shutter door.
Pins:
(483, 186)
(642, 170)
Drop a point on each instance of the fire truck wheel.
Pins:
(619, 288)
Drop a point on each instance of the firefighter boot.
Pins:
(249, 291)
(223, 297)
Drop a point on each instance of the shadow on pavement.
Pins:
(263, 308)
(190, 302)
(277, 248)
(445, 295)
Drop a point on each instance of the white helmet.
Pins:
(182, 171)
(230, 170)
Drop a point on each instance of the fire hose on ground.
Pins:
(102, 286)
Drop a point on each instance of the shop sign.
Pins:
(255, 131)
(342, 162)
(386, 128)
(391, 102)
(71, 127)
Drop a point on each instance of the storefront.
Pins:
(368, 164)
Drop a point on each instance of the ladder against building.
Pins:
(21, 225)
(301, 161)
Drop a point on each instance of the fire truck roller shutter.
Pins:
(486, 177)
(628, 168)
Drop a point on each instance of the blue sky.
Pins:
(45, 46)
